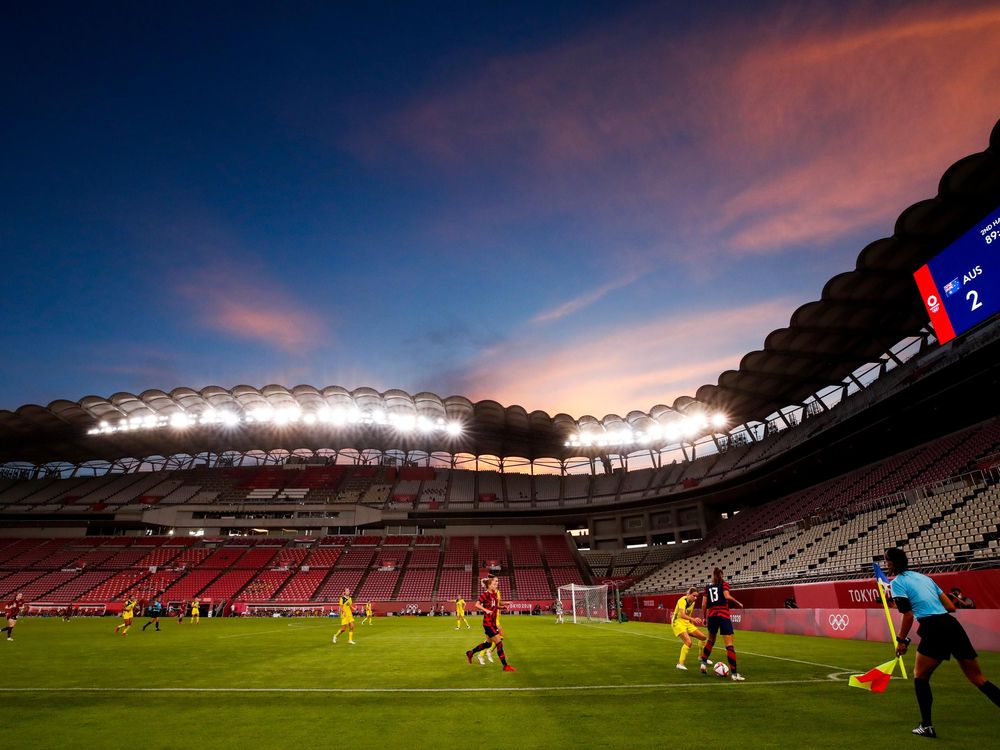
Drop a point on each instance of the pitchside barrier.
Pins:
(982, 586)
(982, 625)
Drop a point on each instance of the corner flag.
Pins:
(880, 574)
(876, 680)
(883, 584)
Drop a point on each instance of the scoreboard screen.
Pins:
(960, 286)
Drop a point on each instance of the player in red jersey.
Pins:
(13, 609)
(717, 597)
(489, 604)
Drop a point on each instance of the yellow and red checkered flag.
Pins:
(877, 679)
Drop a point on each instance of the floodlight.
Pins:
(719, 420)
(454, 429)
(180, 421)
(287, 415)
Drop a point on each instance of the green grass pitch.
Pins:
(281, 683)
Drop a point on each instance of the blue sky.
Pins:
(586, 207)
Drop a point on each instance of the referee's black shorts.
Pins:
(942, 636)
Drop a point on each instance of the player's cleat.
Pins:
(508, 668)
(334, 639)
(468, 655)
(710, 662)
(10, 639)
(737, 677)
(350, 643)
(682, 668)
(489, 655)
(923, 731)
(481, 662)
(704, 668)
(457, 628)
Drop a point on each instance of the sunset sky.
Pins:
(574, 206)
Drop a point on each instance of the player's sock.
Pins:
(481, 646)
(924, 699)
(157, 626)
(684, 653)
(731, 656)
(991, 691)
(146, 626)
(503, 659)
(706, 650)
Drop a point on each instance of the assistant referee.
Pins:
(941, 635)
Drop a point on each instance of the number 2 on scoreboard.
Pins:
(974, 296)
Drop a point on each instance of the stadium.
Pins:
(252, 513)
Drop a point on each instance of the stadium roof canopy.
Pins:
(860, 315)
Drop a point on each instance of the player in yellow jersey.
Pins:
(368, 614)
(346, 617)
(460, 614)
(128, 611)
(685, 624)
(195, 611)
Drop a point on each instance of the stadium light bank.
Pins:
(686, 428)
(281, 416)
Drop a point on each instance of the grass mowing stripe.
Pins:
(539, 689)
(260, 632)
(748, 653)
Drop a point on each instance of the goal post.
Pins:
(584, 603)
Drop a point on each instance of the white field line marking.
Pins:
(797, 661)
(553, 688)
(749, 653)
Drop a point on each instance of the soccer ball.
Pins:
(721, 669)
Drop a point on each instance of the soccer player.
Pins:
(181, 609)
(195, 611)
(941, 635)
(716, 598)
(685, 624)
(489, 604)
(128, 612)
(460, 614)
(13, 609)
(493, 649)
(346, 617)
(559, 611)
(154, 612)
(368, 614)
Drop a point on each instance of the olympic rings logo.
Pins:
(839, 622)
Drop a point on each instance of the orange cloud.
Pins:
(616, 371)
(775, 131)
(254, 311)
(874, 116)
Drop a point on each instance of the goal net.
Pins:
(584, 603)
